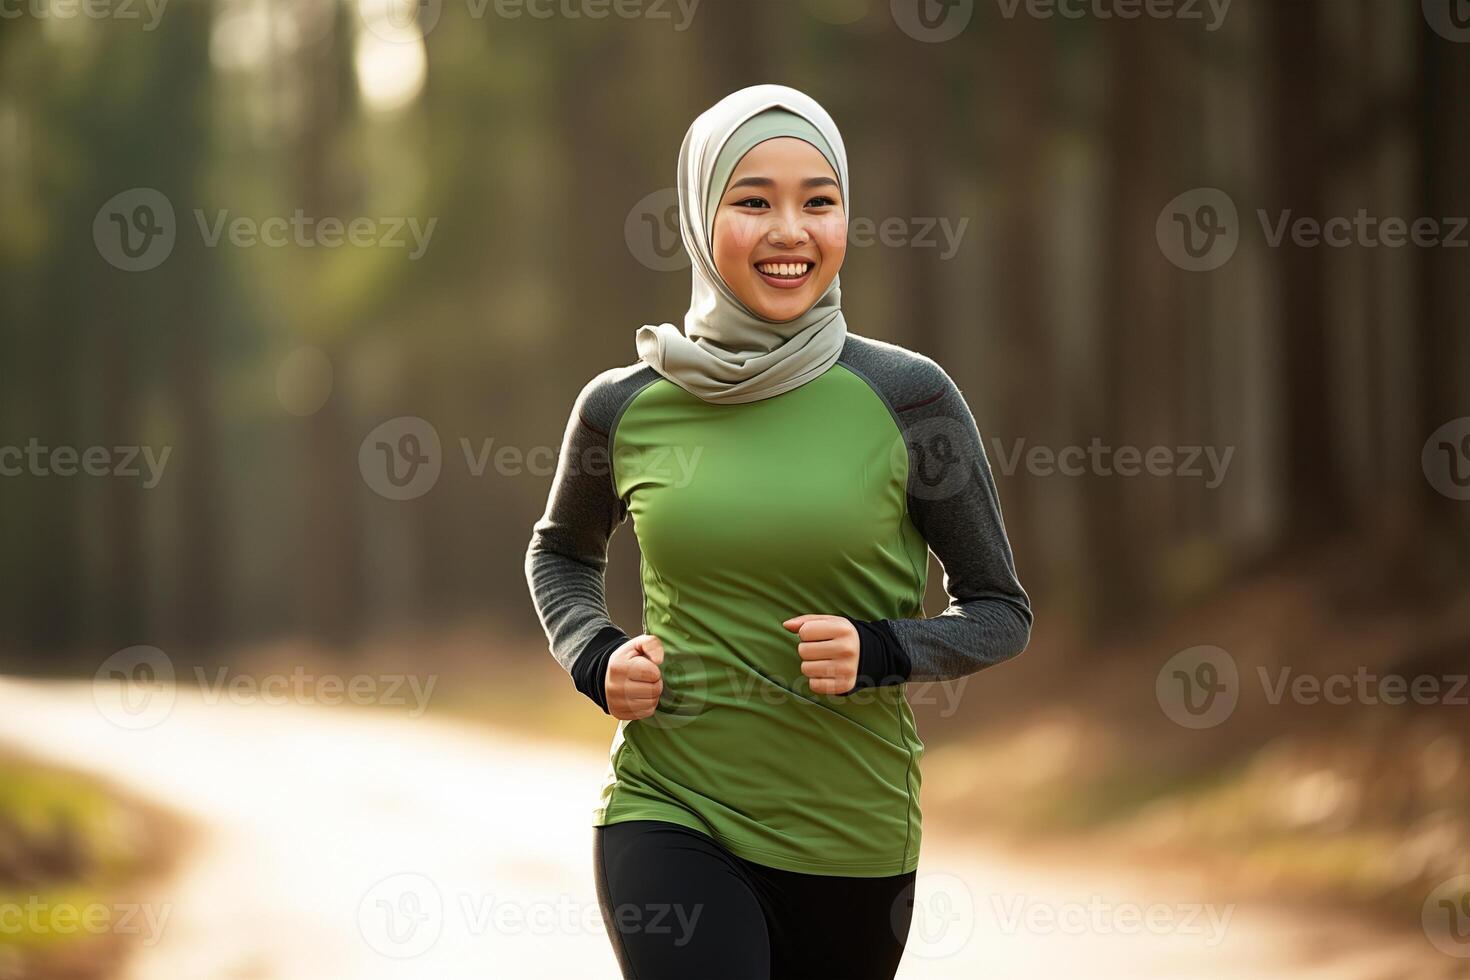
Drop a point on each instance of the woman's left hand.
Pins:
(829, 651)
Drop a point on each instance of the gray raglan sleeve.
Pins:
(954, 504)
(566, 560)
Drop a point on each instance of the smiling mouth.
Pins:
(785, 275)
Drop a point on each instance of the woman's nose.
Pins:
(788, 231)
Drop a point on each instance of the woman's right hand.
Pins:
(634, 682)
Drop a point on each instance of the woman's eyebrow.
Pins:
(768, 182)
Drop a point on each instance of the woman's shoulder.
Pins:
(602, 397)
(907, 378)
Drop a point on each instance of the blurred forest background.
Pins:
(1026, 168)
(1055, 142)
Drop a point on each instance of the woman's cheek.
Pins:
(831, 237)
(741, 234)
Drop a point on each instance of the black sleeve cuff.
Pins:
(589, 670)
(881, 660)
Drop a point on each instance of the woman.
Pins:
(760, 814)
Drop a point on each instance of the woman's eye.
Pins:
(821, 201)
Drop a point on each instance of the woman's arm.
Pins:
(953, 502)
(566, 560)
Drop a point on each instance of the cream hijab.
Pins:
(727, 353)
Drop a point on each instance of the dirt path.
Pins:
(348, 843)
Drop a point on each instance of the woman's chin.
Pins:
(780, 316)
(784, 310)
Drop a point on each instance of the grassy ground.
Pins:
(73, 856)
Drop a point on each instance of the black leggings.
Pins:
(679, 906)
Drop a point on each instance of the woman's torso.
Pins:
(747, 515)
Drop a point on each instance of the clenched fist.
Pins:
(828, 649)
(634, 682)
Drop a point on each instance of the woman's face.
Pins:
(782, 213)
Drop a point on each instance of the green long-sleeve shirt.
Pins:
(823, 499)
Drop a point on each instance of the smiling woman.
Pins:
(765, 775)
(779, 241)
(742, 339)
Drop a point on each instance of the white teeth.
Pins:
(789, 269)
